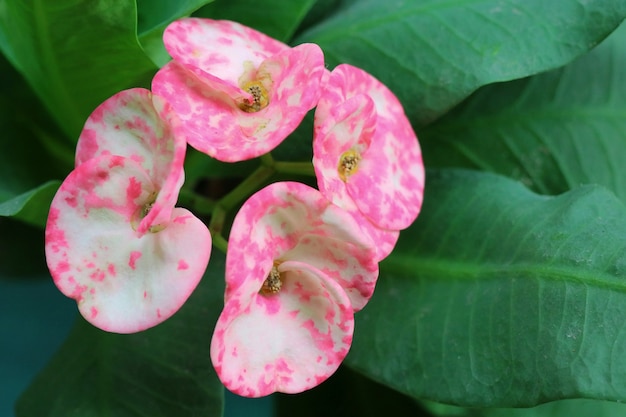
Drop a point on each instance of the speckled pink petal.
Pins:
(286, 342)
(289, 221)
(208, 102)
(124, 281)
(349, 125)
(388, 186)
(218, 47)
(138, 125)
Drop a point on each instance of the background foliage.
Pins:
(509, 290)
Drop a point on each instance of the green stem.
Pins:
(248, 186)
(268, 167)
(296, 168)
(219, 241)
(196, 203)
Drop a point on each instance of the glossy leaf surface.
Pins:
(434, 53)
(500, 297)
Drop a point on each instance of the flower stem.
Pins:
(195, 202)
(296, 168)
(220, 209)
(234, 198)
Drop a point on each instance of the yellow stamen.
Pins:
(348, 164)
(260, 98)
(272, 283)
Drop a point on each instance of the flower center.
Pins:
(348, 164)
(273, 283)
(143, 211)
(259, 94)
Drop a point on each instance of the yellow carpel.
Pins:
(260, 98)
(348, 164)
(273, 283)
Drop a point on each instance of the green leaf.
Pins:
(497, 296)
(564, 408)
(164, 371)
(74, 53)
(32, 152)
(152, 18)
(434, 53)
(321, 10)
(280, 22)
(32, 206)
(553, 131)
(21, 250)
(348, 394)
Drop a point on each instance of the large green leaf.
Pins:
(21, 250)
(152, 18)
(349, 394)
(553, 131)
(164, 371)
(276, 18)
(497, 296)
(434, 53)
(74, 53)
(31, 149)
(32, 206)
(564, 408)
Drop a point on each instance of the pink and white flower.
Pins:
(238, 92)
(114, 240)
(296, 269)
(366, 155)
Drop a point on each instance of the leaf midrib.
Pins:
(509, 118)
(443, 269)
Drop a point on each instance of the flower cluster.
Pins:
(300, 261)
(114, 240)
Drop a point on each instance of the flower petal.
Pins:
(218, 47)
(349, 125)
(140, 126)
(204, 86)
(287, 342)
(123, 281)
(388, 186)
(289, 221)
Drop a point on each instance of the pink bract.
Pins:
(124, 281)
(114, 240)
(358, 116)
(215, 63)
(139, 125)
(293, 338)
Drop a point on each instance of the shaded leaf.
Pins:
(164, 371)
(434, 53)
(553, 131)
(321, 9)
(21, 250)
(497, 296)
(276, 18)
(74, 53)
(32, 150)
(152, 18)
(32, 206)
(348, 394)
(563, 408)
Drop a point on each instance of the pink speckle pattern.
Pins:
(132, 261)
(211, 60)
(295, 339)
(140, 126)
(357, 112)
(113, 234)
